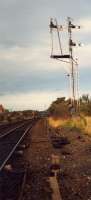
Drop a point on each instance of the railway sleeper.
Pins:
(19, 152)
(11, 180)
(59, 142)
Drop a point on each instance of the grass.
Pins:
(55, 122)
(77, 122)
(88, 126)
(81, 123)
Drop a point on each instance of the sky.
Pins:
(29, 78)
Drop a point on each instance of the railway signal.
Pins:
(66, 57)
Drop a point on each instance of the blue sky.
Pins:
(29, 79)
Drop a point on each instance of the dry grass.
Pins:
(88, 126)
(78, 122)
(56, 122)
(81, 123)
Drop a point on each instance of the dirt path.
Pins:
(40, 149)
(39, 156)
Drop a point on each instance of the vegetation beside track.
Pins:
(62, 115)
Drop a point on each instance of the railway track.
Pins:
(11, 139)
(15, 180)
(5, 128)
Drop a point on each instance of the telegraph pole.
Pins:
(71, 44)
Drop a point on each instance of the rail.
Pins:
(9, 142)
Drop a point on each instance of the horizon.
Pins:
(34, 106)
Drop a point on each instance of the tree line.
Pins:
(63, 107)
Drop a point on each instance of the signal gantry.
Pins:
(66, 57)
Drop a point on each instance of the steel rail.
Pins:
(11, 130)
(16, 145)
(23, 185)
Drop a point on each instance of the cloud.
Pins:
(83, 34)
(38, 57)
(85, 24)
(84, 56)
(23, 22)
